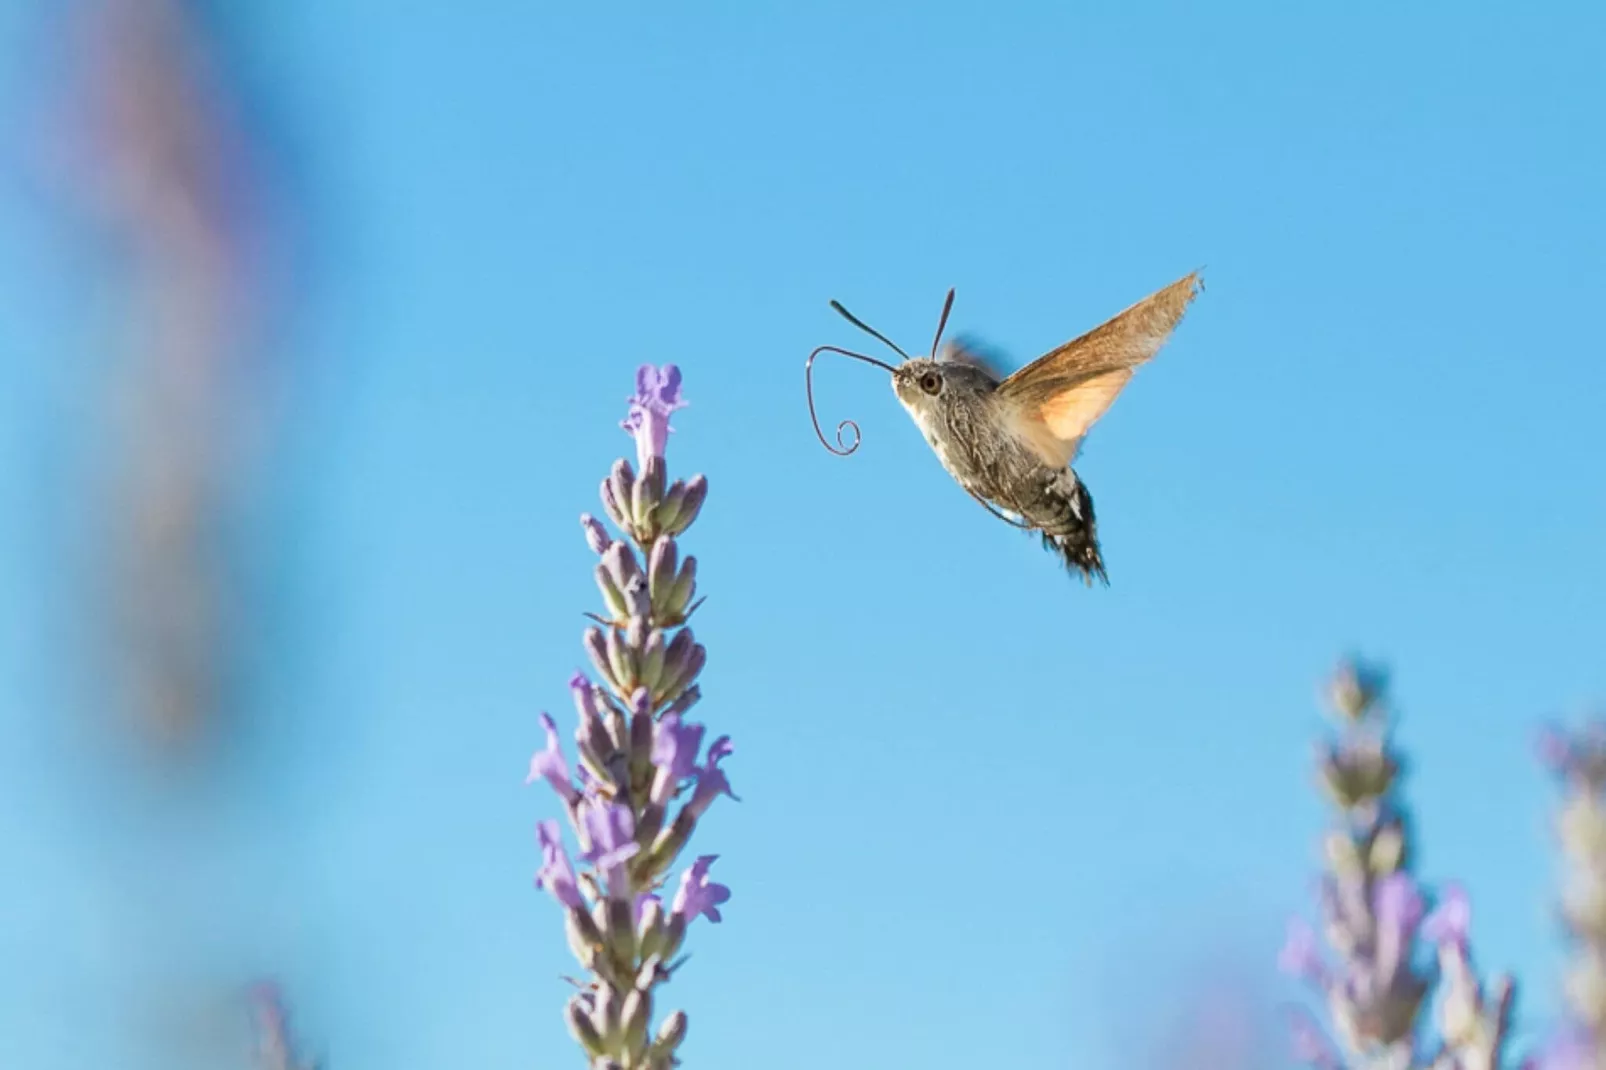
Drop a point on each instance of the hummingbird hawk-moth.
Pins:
(1009, 440)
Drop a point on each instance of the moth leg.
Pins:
(987, 505)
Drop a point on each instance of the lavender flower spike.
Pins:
(636, 755)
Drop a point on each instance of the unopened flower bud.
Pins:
(637, 1012)
(606, 1015)
(1586, 991)
(597, 649)
(670, 1033)
(621, 663)
(641, 725)
(618, 732)
(636, 631)
(1582, 826)
(654, 475)
(642, 504)
(581, 1025)
(621, 930)
(662, 569)
(1459, 1011)
(1355, 689)
(688, 698)
(622, 482)
(612, 505)
(667, 844)
(676, 656)
(668, 511)
(652, 659)
(1358, 773)
(691, 505)
(586, 703)
(652, 971)
(674, 935)
(597, 536)
(584, 936)
(1584, 906)
(620, 561)
(1342, 856)
(695, 660)
(650, 929)
(681, 593)
(652, 821)
(1388, 850)
(613, 599)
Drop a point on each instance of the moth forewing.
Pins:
(1058, 398)
(1124, 341)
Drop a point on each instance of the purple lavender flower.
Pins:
(1573, 1048)
(549, 764)
(711, 780)
(697, 894)
(674, 752)
(657, 395)
(557, 874)
(611, 830)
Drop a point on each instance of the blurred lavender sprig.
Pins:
(1374, 918)
(276, 1048)
(1578, 761)
(637, 756)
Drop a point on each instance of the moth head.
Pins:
(925, 385)
(918, 381)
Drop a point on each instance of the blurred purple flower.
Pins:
(1571, 1049)
(557, 873)
(549, 764)
(1397, 902)
(697, 894)
(657, 395)
(1309, 1044)
(1451, 920)
(1300, 956)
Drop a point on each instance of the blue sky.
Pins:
(989, 816)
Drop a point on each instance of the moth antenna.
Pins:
(867, 329)
(947, 307)
(842, 447)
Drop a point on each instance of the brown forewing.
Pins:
(1059, 396)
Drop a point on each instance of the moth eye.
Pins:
(931, 383)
